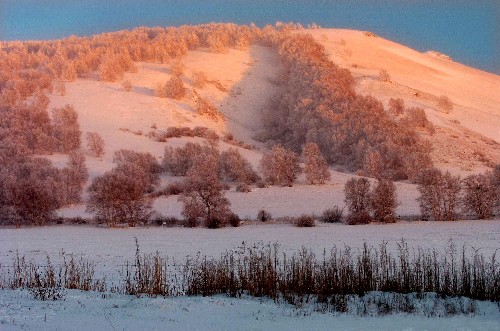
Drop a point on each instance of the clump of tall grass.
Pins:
(371, 280)
(149, 275)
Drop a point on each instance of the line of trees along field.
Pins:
(317, 113)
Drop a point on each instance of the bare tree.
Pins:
(316, 168)
(357, 199)
(203, 198)
(480, 195)
(384, 202)
(95, 144)
(280, 166)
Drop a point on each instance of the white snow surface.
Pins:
(90, 311)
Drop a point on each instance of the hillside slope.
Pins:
(241, 82)
(467, 138)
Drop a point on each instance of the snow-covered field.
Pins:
(110, 248)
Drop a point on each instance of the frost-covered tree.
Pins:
(178, 68)
(28, 125)
(66, 129)
(315, 168)
(384, 201)
(146, 161)
(118, 196)
(236, 168)
(73, 178)
(495, 179)
(439, 195)
(357, 199)
(280, 166)
(479, 195)
(29, 192)
(203, 198)
(178, 160)
(373, 164)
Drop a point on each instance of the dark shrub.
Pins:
(261, 184)
(166, 221)
(234, 220)
(332, 215)
(175, 188)
(305, 221)
(358, 218)
(191, 222)
(215, 222)
(263, 216)
(242, 187)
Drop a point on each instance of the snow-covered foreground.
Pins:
(90, 311)
(110, 248)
